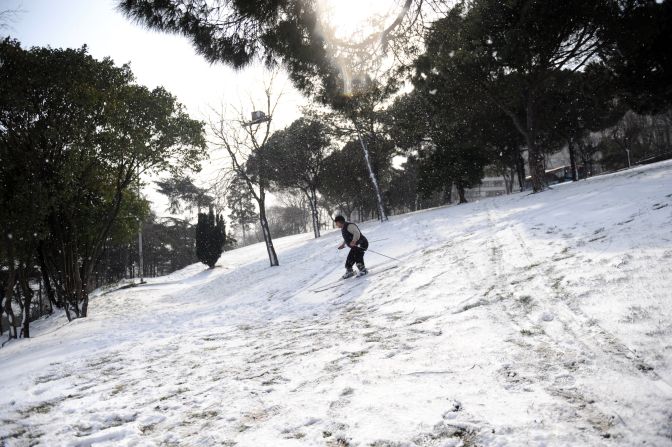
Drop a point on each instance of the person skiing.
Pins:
(358, 244)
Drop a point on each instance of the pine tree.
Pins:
(210, 237)
(239, 201)
(296, 157)
(507, 53)
(202, 237)
(75, 135)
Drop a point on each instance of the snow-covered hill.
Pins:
(522, 320)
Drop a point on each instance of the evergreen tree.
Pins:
(637, 53)
(578, 103)
(210, 237)
(507, 52)
(296, 158)
(240, 202)
(358, 102)
(183, 194)
(345, 184)
(239, 32)
(338, 75)
(403, 194)
(89, 131)
(448, 132)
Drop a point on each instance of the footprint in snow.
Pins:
(547, 316)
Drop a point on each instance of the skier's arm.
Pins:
(352, 229)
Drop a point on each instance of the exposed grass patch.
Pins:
(118, 389)
(146, 429)
(207, 414)
(525, 300)
(41, 408)
(338, 442)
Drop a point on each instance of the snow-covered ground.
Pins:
(521, 320)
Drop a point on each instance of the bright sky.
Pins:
(155, 58)
(354, 18)
(169, 60)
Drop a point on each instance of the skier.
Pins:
(358, 244)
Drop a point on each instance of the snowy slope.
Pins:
(522, 320)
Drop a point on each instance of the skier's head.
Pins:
(339, 221)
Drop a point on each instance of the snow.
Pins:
(520, 320)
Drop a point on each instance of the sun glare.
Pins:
(353, 19)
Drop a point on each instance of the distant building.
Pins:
(558, 170)
(559, 166)
(490, 186)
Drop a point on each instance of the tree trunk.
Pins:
(507, 175)
(374, 181)
(535, 156)
(272, 256)
(75, 277)
(312, 201)
(9, 287)
(520, 168)
(512, 177)
(572, 160)
(85, 303)
(7, 303)
(141, 267)
(45, 278)
(2, 307)
(448, 194)
(461, 193)
(27, 300)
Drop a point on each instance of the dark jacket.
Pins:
(349, 234)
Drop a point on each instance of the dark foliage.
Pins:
(75, 135)
(210, 237)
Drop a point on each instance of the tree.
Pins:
(90, 132)
(503, 148)
(245, 144)
(580, 103)
(636, 138)
(287, 220)
(210, 237)
(8, 16)
(359, 106)
(168, 245)
(637, 53)
(182, 192)
(448, 130)
(238, 32)
(296, 160)
(507, 51)
(320, 64)
(345, 186)
(120, 249)
(239, 200)
(451, 162)
(403, 193)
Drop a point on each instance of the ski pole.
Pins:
(390, 257)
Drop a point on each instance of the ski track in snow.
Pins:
(521, 320)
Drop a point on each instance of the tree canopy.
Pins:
(76, 135)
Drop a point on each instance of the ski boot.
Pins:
(348, 274)
(362, 270)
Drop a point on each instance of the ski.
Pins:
(338, 283)
(329, 284)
